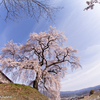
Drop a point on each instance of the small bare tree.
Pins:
(13, 9)
(91, 4)
(44, 57)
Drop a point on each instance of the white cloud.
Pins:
(92, 50)
(89, 75)
(82, 79)
(3, 36)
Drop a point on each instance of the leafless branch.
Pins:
(15, 9)
(91, 4)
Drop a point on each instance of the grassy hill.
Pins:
(10, 91)
(95, 96)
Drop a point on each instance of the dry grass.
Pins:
(94, 96)
(19, 92)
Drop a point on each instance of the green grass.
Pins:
(10, 91)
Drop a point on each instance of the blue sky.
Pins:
(82, 28)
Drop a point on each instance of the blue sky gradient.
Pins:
(82, 28)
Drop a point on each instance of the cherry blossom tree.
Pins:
(44, 57)
(91, 4)
(14, 9)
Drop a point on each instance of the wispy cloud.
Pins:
(82, 79)
(4, 36)
(88, 76)
(94, 49)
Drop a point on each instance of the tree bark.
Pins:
(35, 82)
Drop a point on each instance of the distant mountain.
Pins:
(81, 92)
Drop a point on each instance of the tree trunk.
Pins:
(35, 82)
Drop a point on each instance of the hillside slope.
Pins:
(10, 91)
(81, 92)
(95, 96)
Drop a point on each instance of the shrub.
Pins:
(91, 92)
